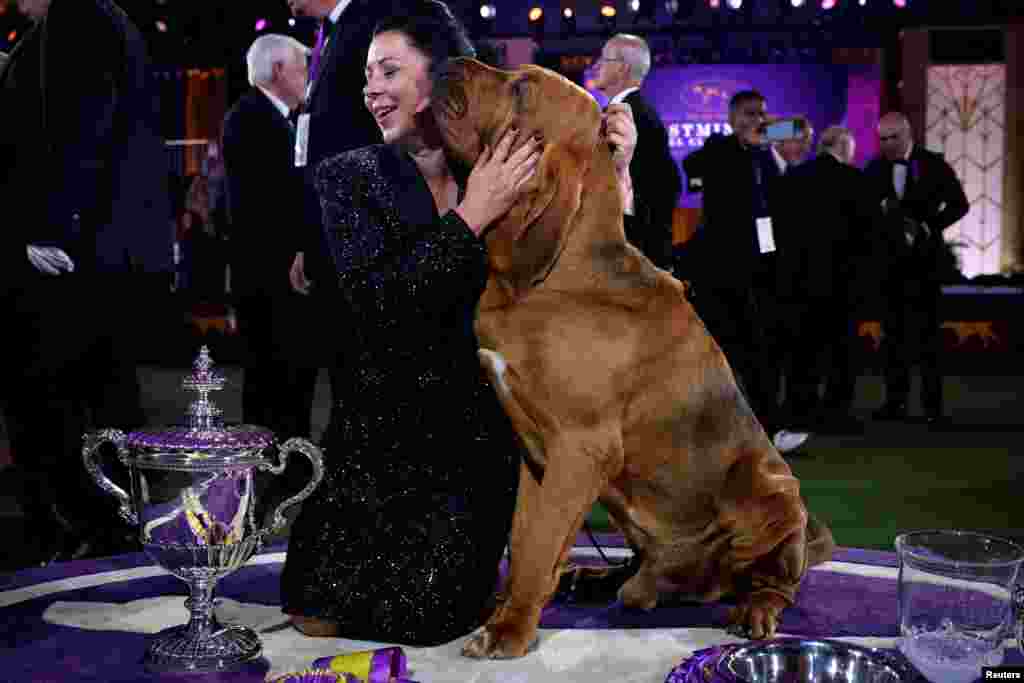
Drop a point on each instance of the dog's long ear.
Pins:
(525, 244)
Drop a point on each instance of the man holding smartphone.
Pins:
(735, 246)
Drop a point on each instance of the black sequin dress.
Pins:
(402, 541)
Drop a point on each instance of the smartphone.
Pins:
(777, 131)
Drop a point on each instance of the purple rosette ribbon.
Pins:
(384, 665)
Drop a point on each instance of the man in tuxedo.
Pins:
(920, 197)
(333, 119)
(84, 186)
(263, 189)
(734, 246)
(621, 69)
(826, 223)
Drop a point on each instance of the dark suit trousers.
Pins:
(277, 392)
(818, 343)
(913, 334)
(69, 369)
(733, 317)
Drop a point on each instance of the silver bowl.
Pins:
(796, 660)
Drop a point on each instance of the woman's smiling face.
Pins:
(397, 85)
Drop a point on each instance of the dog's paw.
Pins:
(639, 593)
(495, 642)
(757, 619)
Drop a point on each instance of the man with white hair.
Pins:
(623, 65)
(263, 190)
(826, 224)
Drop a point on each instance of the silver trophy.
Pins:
(193, 500)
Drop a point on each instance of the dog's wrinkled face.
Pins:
(474, 105)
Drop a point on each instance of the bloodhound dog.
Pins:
(613, 383)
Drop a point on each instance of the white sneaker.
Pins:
(786, 441)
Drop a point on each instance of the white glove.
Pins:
(50, 260)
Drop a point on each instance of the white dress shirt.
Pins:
(618, 99)
(899, 174)
(276, 101)
(779, 161)
(338, 9)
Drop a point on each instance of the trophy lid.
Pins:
(204, 443)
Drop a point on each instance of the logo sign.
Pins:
(706, 106)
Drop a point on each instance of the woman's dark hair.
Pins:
(433, 30)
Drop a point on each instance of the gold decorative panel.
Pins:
(966, 121)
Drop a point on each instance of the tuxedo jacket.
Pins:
(932, 195)
(726, 248)
(827, 229)
(657, 183)
(338, 118)
(80, 145)
(263, 189)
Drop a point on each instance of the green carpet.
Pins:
(868, 494)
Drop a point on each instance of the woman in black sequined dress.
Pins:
(402, 540)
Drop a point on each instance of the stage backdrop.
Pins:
(693, 100)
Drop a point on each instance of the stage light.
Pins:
(713, 4)
(261, 24)
(488, 11)
(607, 15)
(902, 4)
(828, 4)
(797, 3)
(679, 10)
(12, 36)
(291, 21)
(634, 5)
(161, 26)
(535, 15)
(734, 4)
(568, 21)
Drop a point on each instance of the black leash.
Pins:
(600, 550)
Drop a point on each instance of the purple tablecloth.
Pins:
(857, 598)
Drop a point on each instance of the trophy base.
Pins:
(176, 650)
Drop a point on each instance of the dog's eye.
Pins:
(520, 91)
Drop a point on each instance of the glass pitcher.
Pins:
(958, 601)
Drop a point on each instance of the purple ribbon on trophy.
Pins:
(385, 665)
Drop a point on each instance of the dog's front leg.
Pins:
(547, 517)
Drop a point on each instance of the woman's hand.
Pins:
(620, 132)
(497, 180)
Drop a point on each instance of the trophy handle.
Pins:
(1018, 613)
(90, 450)
(315, 455)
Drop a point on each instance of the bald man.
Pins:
(920, 196)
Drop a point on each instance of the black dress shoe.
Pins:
(936, 419)
(891, 411)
